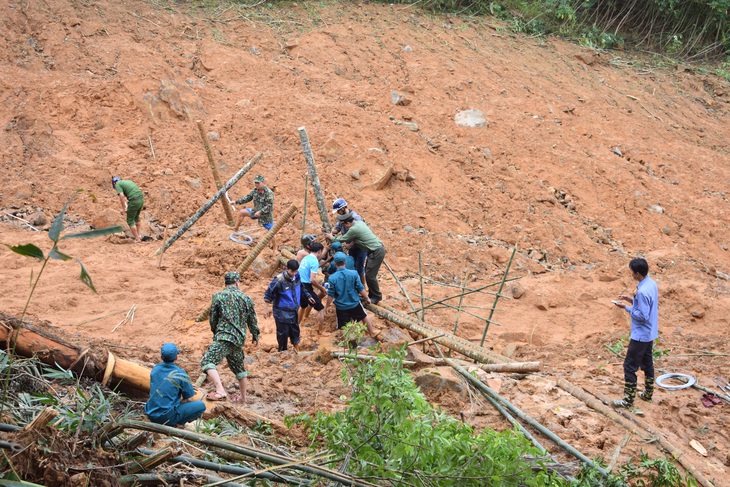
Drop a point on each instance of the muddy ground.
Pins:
(585, 159)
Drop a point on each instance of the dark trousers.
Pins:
(372, 267)
(638, 356)
(286, 331)
(359, 256)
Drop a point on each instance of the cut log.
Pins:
(216, 176)
(384, 178)
(314, 177)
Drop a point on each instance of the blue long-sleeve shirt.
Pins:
(645, 311)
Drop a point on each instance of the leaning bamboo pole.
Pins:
(248, 451)
(257, 250)
(499, 293)
(494, 357)
(316, 186)
(525, 417)
(630, 422)
(208, 204)
(216, 176)
(474, 352)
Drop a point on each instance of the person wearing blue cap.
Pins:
(171, 391)
(132, 201)
(349, 263)
(345, 290)
(339, 207)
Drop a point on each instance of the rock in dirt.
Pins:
(394, 335)
(470, 118)
(439, 380)
(400, 98)
(108, 218)
(415, 354)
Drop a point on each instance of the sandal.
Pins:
(706, 401)
(216, 396)
(715, 400)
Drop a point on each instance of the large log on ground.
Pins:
(448, 340)
(28, 341)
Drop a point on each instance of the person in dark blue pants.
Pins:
(284, 294)
(171, 391)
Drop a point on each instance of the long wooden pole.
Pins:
(432, 330)
(470, 291)
(420, 280)
(470, 350)
(208, 204)
(216, 176)
(405, 293)
(316, 186)
(525, 417)
(261, 245)
(248, 451)
(499, 293)
(306, 194)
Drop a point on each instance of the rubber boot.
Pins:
(629, 395)
(648, 391)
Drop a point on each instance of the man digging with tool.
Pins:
(132, 201)
(231, 312)
(643, 308)
(263, 206)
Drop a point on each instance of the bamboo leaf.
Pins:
(55, 232)
(99, 232)
(18, 483)
(85, 277)
(58, 255)
(28, 250)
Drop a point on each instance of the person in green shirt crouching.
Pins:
(132, 201)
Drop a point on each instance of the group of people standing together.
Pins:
(349, 259)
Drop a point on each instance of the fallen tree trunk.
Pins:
(216, 175)
(449, 341)
(256, 251)
(316, 186)
(29, 341)
(514, 367)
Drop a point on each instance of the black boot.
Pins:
(629, 395)
(648, 391)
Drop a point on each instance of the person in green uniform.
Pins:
(231, 313)
(263, 206)
(357, 232)
(132, 201)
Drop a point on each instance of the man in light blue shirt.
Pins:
(643, 308)
(308, 270)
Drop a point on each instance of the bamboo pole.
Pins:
(511, 368)
(499, 293)
(626, 421)
(420, 275)
(248, 451)
(471, 291)
(151, 461)
(231, 469)
(208, 204)
(459, 308)
(306, 194)
(405, 293)
(432, 330)
(529, 420)
(617, 452)
(472, 351)
(172, 479)
(316, 186)
(216, 176)
(261, 245)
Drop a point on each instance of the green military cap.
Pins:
(258, 179)
(232, 277)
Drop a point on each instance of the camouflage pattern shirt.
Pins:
(231, 312)
(263, 202)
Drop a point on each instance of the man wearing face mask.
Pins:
(284, 295)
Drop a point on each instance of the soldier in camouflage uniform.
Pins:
(263, 206)
(231, 312)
